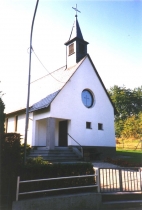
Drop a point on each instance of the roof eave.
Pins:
(44, 107)
(75, 38)
(115, 110)
(16, 111)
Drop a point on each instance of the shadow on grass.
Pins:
(126, 158)
(131, 155)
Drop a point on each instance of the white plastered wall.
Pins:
(21, 126)
(39, 128)
(71, 60)
(68, 105)
(39, 119)
(11, 124)
(29, 138)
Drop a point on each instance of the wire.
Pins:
(45, 67)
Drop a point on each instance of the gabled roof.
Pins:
(115, 111)
(39, 89)
(45, 89)
(44, 103)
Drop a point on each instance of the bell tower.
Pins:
(76, 46)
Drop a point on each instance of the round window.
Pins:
(87, 98)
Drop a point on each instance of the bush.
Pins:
(38, 161)
(11, 150)
(37, 168)
(46, 170)
(11, 160)
(2, 119)
(28, 149)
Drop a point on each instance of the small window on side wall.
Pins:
(100, 126)
(71, 48)
(88, 125)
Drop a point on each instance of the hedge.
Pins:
(12, 166)
(2, 120)
(10, 163)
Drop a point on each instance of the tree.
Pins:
(128, 103)
(2, 119)
(133, 127)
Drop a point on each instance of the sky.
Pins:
(112, 28)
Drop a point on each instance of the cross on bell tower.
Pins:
(76, 10)
(76, 46)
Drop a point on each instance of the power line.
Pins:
(45, 67)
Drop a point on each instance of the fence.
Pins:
(107, 180)
(58, 189)
(120, 179)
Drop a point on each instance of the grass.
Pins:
(128, 152)
(129, 144)
(133, 156)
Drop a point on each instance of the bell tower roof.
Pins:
(76, 32)
(76, 46)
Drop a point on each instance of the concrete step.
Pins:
(56, 148)
(59, 154)
(51, 152)
(63, 148)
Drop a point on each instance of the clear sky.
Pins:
(112, 28)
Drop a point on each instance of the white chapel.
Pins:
(69, 107)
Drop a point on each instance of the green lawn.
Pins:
(134, 156)
(129, 144)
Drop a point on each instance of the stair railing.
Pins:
(81, 148)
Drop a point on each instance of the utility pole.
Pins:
(29, 77)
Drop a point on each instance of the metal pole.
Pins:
(140, 170)
(120, 180)
(98, 179)
(29, 77)
(17, 190)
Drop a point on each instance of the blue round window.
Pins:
(87, 98)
